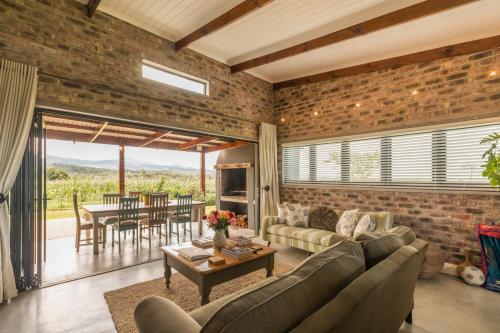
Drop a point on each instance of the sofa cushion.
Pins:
(405, 233)
(365, 224)
(323, 218)
(378, 245)
(315, 236)
(347, 222)
(282, 304)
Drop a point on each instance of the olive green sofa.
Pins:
(349, 287)
(309, 239)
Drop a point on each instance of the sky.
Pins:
(95, 152)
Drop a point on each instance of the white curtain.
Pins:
(268, 158)
(18, 84)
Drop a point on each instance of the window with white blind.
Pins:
(444, 159)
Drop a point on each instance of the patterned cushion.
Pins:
(283, 212)
(298, 215)
(347, 223)
(323, 218)
(365, 224)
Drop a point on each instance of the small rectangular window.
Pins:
(174, 78)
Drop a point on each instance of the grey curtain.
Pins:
(18, 84)
(268, 159)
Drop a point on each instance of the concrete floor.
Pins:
(443, 304)
(63, 263)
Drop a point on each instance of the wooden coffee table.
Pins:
(206, 275)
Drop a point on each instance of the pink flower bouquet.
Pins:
(220, 220)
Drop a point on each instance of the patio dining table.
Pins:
(95, 212)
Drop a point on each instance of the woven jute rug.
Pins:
(122, 302)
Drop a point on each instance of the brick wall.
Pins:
(452, 90)
(94, 66)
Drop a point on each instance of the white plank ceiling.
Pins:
(284, 23)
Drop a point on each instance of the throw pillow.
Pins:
(298, 215)
(283, 212)
(347, 223)
(323, 218)
(365, 224)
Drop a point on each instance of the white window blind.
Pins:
(445, 159)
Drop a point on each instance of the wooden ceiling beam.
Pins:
(153, 138)
(71, 127)
(413, 58)
(195, 142)
(92, 7)
(109, 140)
(244, 8)
(400, 16)
(99, 132)
(228, 145)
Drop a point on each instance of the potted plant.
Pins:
(491, 169)
(220, 221)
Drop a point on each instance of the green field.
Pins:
(91, 183)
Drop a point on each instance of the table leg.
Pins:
(96, 235)
(168, 271)
(205, 291)
(201, 212)
(270, 266)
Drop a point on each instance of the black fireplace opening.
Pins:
(233, 182)
(236, 207)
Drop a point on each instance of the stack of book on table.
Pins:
(203, 242)
(242, 241)
(237, 252)
(193, 253)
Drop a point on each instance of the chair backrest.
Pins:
(111, 198)
(158, 208)
(134, 194)
(128, 209)
(77, 212)
(184, 205)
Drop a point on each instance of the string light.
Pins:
(358, 104)
(282, 120)
(390, 79)
(315, 113)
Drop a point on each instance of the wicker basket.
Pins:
(433, 263)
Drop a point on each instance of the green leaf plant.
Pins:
(491, 169)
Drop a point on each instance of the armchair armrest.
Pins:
(159, 315)
(266, 222)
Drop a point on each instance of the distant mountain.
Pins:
(112, 164)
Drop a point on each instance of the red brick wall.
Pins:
(95, 67)
(451, 90)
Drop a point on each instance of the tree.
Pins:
(56, 173)
(491, 169)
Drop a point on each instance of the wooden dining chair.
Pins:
(157, 216)
(182, 216)
(134, 193)
(128, 215)
(111, 199)
(83, 224)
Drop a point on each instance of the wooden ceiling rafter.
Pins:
(408, 59)
(154, 137)
(388, 20)
(91, 7)
(228, 145)
(195, 142)
(99, 132)
(235, 13)
(75, 129)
